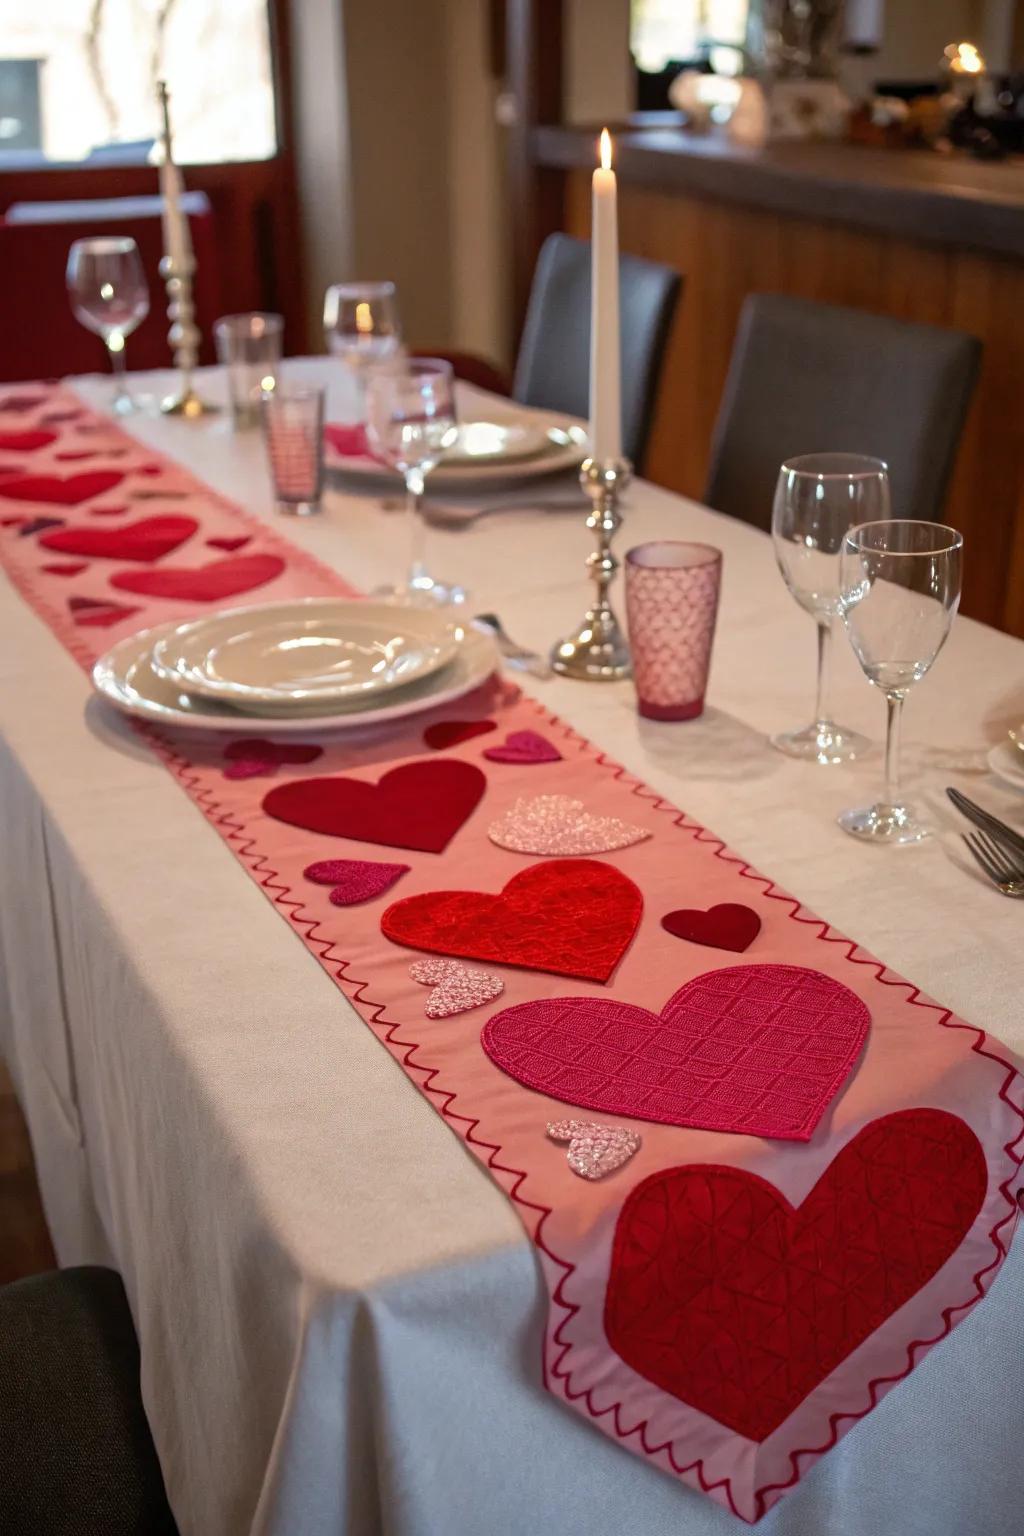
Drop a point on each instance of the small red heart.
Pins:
(26, 442)
(731, 1299)
(204, 583)
(39, 525)
(90, 612)
(12, 522)
(448, 733)
(66, 491)
(148, 469)
(253, 758)
(230, 546)
(21, 403)
(7, 470)
(75, 568)
(523, 747)
(70, 456)
(572, 917)
(727, 926)
(107, 511)
(59, 418)
(147, 540)
(419, 805)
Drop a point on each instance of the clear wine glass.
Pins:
(410, 422)
(818, 498)
(900, 593)
(361, 327)
(109, 295)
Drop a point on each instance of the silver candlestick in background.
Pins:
(597, 649)
(178, 268)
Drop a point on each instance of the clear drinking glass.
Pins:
(293, 428)
(410, 421)
(109, 295)
(818, 498)
(249, 347)
(900, 592)
(361, 327)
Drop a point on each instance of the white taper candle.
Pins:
(605, 365)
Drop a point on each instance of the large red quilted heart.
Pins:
(574, 917)
(63, 490)
(738, 1303)
(419, 806)
(758, 1049)
(203, 583)
(146, 540)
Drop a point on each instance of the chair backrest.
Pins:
(815, 378)
(553, 369)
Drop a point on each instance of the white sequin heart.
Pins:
(457, 988)
(594, 1150)
(557, 824)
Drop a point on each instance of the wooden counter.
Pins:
(911, 235)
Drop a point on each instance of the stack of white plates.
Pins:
(488, 453)
(338, 662)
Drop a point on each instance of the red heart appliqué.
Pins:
(523, 747)
(419, 805)
(26, 442)
(62, 490)
(21, 403)
(573, 917)
(230, 546)
(204, 583)
(728, 926)
(733, 1300)
(66, 568)
(254, 757)
(147, 540)
(354, 880)
(448, 733)
(757, 1049)
(92, 613)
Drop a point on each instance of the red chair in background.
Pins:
(39, 336)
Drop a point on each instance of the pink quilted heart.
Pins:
(757, 1049)
(354, 880)
(556, 824)
(594, 1150)
(524, 747)
(457, 988)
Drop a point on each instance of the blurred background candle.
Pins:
(605, 368)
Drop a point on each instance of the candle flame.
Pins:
(364, 319)
(606, 150)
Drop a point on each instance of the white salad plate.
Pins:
(125, 677)
(1007, 763)
(311, 651)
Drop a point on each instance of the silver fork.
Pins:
(1006, 874)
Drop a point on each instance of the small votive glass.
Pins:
(293, 428)
(249, 348)
(671, 607)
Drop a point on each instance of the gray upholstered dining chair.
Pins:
(815, 378)
(553, 367)
(76, 1455)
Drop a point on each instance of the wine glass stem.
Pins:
(116, 352)
(893, 724)
(414, 494)
(821, 715)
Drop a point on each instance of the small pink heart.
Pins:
(457, 988)
(556, 824)
(354, 880)
(230, 545)
(524, 747)
(40, 525)
(594, 1150)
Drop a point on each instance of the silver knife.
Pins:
(985, 820)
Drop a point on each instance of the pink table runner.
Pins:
(764, 1174)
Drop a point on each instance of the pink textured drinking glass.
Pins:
(671, 604)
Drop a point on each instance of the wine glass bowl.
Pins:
(361, 324)
(900, 590)
(818, 498)
(410, 422)
(110, 297)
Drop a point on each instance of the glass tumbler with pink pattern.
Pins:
(671, 606)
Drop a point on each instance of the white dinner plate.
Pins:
(309, 651)
(496, 442)
(557, 457)
(1007, 763)
(125, 677)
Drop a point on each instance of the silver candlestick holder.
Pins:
(184, 338)
(597, 648)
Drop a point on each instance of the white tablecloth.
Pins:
(339, 1313)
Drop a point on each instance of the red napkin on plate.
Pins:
(347, 440)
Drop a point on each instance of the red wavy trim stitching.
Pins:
(234, 833)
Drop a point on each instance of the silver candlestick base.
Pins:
(597, 649)
(184, 338)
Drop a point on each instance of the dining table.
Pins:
(339, 1313)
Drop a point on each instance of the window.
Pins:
(78, 79)
(667, 32)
